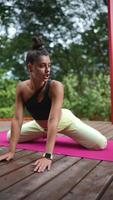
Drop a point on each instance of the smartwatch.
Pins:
(48, 156)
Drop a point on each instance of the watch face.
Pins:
(48, 155)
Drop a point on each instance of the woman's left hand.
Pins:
(41, 164)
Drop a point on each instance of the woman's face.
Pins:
(41, 68)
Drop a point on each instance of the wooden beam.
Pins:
(110, 23)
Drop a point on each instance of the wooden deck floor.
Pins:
(70, 177)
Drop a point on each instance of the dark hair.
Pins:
(38, 49)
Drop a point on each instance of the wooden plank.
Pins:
(103, 126)
(97, 123)
(20, 174)
(16, 164)
(17, 154)
(93, 186)
(62, 184)
(3, 150)
(108, 129)
(36, 180)
(108, 195)
(99, 126)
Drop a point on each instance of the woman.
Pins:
(43, 98)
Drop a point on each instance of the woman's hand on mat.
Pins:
(7, 156)
(41, 164)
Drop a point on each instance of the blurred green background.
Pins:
(76, 35)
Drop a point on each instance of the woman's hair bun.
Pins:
(37, 43)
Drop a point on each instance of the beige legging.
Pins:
(69, 125)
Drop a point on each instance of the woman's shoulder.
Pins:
(56, 86)
(22, 86)
(23, 89)
(55, 83)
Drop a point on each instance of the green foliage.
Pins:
(56, 22)
(5, 14)
(92, 100)
(7, 97)
(73, 51)
(6, 112)
(95, 46)
(89, 57)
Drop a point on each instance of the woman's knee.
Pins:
(102, 144)
(96, 145)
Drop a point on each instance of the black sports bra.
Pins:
(39, 110)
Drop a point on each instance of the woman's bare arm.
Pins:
(57, 94)
(15, 125)
(17, 119)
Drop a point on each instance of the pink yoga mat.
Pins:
(65, 146)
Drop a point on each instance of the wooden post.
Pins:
(110, 23)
